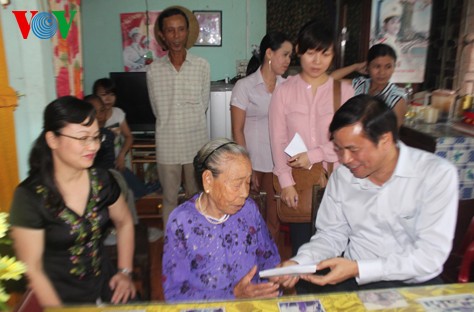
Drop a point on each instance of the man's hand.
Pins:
(245, 288)
(341, 270)
(287, 281)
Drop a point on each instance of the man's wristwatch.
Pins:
(125, 271)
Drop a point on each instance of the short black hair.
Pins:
(373, 114)
(105, 83)
(171, 12)
(315, 35)
(381, 49)
(92, 97)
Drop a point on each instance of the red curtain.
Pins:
(68, 64)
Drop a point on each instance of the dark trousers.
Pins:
(304, 287)
(300, 233)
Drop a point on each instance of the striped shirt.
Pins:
(391, 94)
(179, 100)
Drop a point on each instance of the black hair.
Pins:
(315, 35)
(253, 65)
(92, 97)
(379, 50)
(273, 40)
(385, 21)
(105, 83)
(213, 154)
(168, 13)
(372, 112)
(57, 114)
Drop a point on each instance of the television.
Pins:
(132, 98)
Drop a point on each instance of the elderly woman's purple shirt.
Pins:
(204, 261)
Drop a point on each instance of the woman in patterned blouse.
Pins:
(217, 242)
(61, 211)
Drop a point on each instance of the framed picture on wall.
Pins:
(210, 28)
(404, 26)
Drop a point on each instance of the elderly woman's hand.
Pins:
(287, 281)
(123, 288)
(245, 288)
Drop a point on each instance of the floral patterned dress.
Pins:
(204, 261)
(74, 257)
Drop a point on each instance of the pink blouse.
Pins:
(293, 109)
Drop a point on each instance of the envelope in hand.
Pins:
(296, 146)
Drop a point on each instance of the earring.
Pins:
(207, 191)
(269, 62)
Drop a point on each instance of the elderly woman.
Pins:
(217, 241)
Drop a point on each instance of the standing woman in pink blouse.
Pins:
(249, 110)
(303, 104)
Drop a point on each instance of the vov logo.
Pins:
(44, 25)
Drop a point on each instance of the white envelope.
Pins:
(289, 270)
(296, 146)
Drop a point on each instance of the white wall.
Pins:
(243, 24)
(30, 64)
(30, 71)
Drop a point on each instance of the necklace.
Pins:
(209, 218)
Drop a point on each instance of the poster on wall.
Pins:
(139, 48)
(405, 26)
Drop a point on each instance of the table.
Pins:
(346, 301)
(447, 142)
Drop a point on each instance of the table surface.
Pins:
(440, 130)
(346, 301)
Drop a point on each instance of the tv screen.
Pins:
(132, 98)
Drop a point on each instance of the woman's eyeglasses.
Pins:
(85, 140)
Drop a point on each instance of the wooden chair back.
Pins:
(317, 197)
(28, 303)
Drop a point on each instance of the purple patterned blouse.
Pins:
(204, 261)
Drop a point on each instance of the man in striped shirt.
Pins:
(179, 85)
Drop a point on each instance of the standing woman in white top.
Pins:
(249, 110)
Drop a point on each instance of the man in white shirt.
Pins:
(388, 215)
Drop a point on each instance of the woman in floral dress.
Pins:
(217, 242)
(61, 211)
